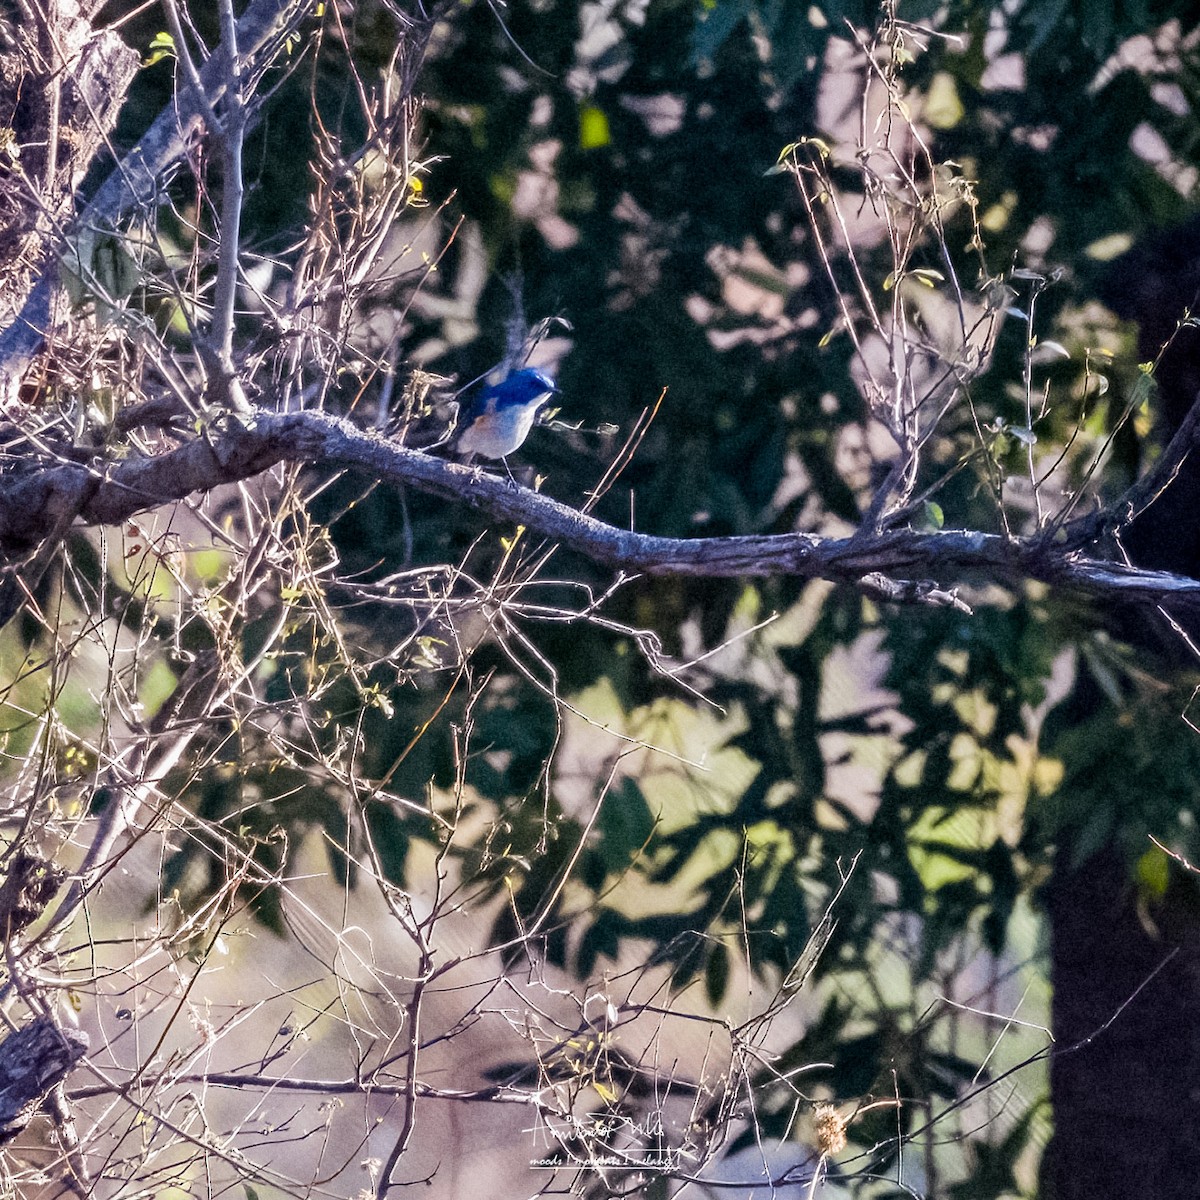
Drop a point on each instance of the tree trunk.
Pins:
(1125, 1076)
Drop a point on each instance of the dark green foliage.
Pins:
(649, 209)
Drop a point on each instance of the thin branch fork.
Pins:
(40, 505)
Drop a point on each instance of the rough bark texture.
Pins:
(33, 1061)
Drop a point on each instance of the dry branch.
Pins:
(138, 177)
(100, 493)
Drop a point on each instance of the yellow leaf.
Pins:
(1153, 873)
(1105, 249)
(593, 128)
(943, 108)
(162, 45)
(927, 276)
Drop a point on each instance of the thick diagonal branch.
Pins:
(35, 507)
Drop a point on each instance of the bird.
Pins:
(499, 419)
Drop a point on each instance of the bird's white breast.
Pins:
(498, 434)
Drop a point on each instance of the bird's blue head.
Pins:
(527, 386)
(502, 415)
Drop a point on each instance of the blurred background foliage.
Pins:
(934, 768)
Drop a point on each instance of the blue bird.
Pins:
(502, 415)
